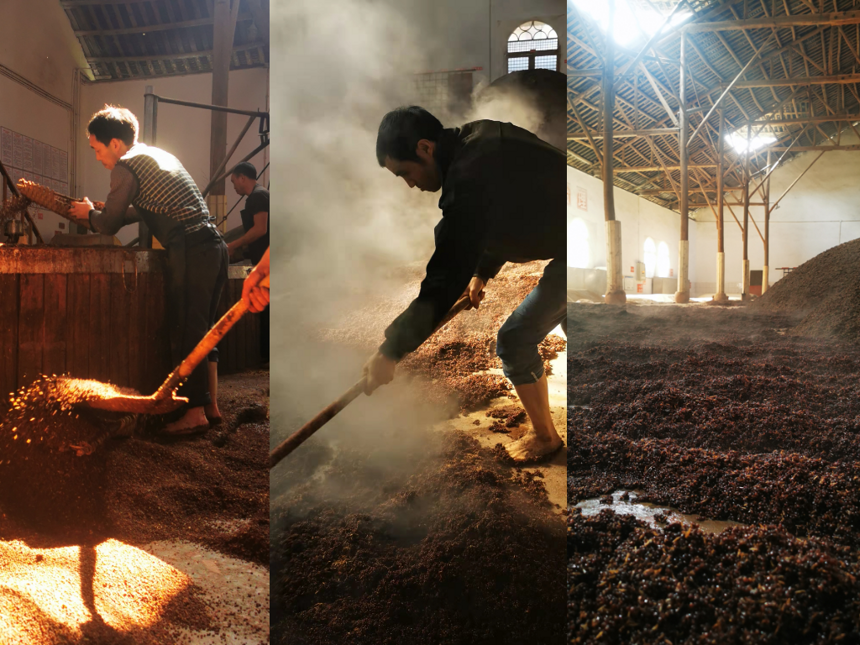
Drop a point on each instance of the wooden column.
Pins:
(683, 292)
(720, 295)
(614, 281)
(746, 261)
(226, 12)
(764, 273)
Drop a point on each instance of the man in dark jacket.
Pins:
(150, 184)
(502, 201)
(255, 221)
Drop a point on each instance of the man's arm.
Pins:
(258, 230)
(118, 210)
(255, 296)
(488, 267)
(460, 241)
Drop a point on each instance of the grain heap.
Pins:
(728, 415)
(823, 291)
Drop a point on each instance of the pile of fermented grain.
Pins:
(723, 414)
(824, 292)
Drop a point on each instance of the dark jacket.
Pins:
(503, 200)
(257, 202)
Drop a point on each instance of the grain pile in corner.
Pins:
(823, 291)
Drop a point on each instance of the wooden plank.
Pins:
(56, 324)
(119, 315)
(99, 326)
(9, 334)
(31, 328)
(78, 356)
(136, 332)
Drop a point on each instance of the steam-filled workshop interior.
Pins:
(134, 141)
(401, 517)
(713, 309)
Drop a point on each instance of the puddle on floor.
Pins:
(646, 511)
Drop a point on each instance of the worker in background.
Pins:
(255, 241)
(255, 296)
(150, 184)
(502, 201)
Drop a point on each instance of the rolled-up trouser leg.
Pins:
(205, 276)
(541, 311)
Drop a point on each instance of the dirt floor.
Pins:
(145, 540)
(725, 414)
(412, 530)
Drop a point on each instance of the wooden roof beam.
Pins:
(138, 59)
(202, 22)
(779, 22)
(801, 80)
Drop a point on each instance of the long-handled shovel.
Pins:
(299, 436)
(103, 396)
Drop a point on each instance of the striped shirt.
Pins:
(165, 187)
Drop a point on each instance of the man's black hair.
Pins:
(245, 169)
(114, 122)
(402, 129)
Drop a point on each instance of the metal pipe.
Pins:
(150, 129)
(229, 154)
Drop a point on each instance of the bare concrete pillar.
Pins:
(764, 279)
(746, 279)
(683, 293)
(720, 295)
(614, 280)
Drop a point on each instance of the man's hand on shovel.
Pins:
(476, 292)
(379, 370)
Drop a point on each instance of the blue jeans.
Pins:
(542, 310)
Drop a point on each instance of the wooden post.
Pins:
(764, 272)
(720, 295)
(683, 293)
(226, 12)
(614, 281)
(746, 261)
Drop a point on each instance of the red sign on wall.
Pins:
(581, 199)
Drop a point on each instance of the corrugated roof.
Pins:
(124, 39)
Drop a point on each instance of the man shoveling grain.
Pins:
(502, 201)
(150, 184)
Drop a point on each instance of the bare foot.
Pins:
(213, 414)
(191, 422)
(532, 446)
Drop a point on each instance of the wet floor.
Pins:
(648, 512)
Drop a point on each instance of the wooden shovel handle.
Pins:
(210, 340)
(328, 413)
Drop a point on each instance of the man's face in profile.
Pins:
(423, 173)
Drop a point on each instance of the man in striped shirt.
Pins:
(150, 184)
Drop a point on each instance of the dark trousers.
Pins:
(540, 312)
(198, 273)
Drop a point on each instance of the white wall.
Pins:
(821, 211)
(475, 34)
(37, 44)
(182, 131)
(639, 219)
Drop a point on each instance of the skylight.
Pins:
(738, 141)
(634, 23)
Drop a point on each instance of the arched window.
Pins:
(650, 257)
(662, 260)
(578, 248)
(533, 45)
